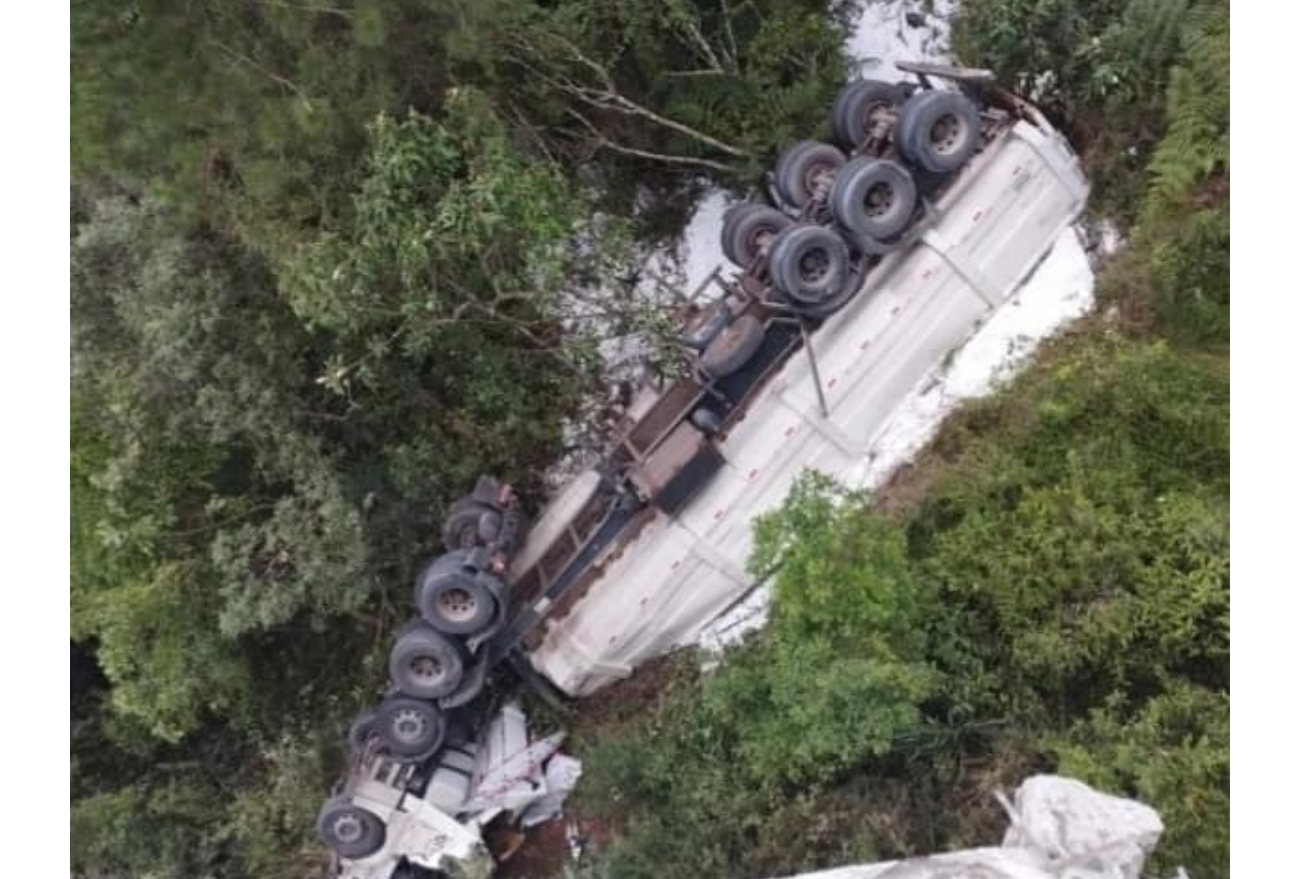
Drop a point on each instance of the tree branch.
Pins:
(607, 96)
(734, 54)
(322, 10)
(603, 141)
(284, 81)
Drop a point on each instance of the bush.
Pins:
(272, 821)
(160, 829)
(1172, 753)
(1101, 68)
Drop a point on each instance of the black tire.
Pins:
(708, 421)
(705, 326)
(733, 347)
(857, 107)
(938, 131)
(351, 831)
(809, 265)
(361, 730)
(425, 664)
(747, 231)
(462, 528)
(409, 728)
(804, 168)
(873, 197)
(451, 598)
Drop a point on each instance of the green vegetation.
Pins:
(1045, 590)
(1120, 76)
(319, 253)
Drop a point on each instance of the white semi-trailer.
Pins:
(878, 261)
(659, 589)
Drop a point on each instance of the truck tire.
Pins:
(857, 109)
(451, 598)
(809, 265)
(747, 231)
(361, 730)
(409, 728)
(873, 197)
(804, 168)
(705, 326)
(733, 347)
(938, 131)
(462, 528)
(351, 831)
(425, 664)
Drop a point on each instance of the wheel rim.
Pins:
(760, 240)
(409, 726)
(879, 200)
(818, 177)
(467, 537)
(814, 266)
(457, 605)
(347, 828)
(873, 118)
(946, 134)
(427, 669)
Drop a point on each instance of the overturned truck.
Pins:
(878, 256)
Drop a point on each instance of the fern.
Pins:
(1195, 144)
(1150, 35)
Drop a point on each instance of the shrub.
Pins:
(1173, 754)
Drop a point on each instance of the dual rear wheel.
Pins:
(934, 130)
(868, 197)
(350, 830)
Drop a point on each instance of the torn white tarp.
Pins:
(1060, 829)
(562, 775)
(509, 771)
(1075, 826)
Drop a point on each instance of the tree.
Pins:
(712, 86)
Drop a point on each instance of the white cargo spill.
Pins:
(995, 224)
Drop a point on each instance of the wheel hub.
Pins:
(409, 726)
(818, 178)
(347, 828)
(945, 133)
(428, 668)
(814, 265)
(761, 239)
(468, 536)
(877, 119)
(457, 604)
(879, 200)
